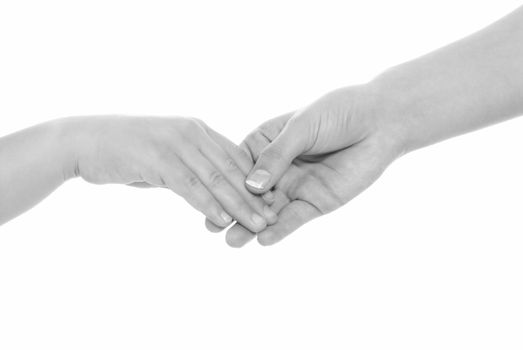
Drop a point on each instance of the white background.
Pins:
(430, 257)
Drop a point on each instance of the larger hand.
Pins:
(343, 118)
(319, 158)
(312, 185)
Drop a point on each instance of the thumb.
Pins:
(277, 156)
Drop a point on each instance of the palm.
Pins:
(313, 185)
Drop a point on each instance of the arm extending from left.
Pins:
(180, 154)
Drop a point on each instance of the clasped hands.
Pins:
(288, 171)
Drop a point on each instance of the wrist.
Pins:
(398, 109)
(72, 142)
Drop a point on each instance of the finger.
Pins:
(268, 197)
(226, 164)
(237, 236)
(291, 217)
(280, 201)
(243, 146)
(185, 183)
(222, 190)
(362, 163)
(263, 135)
(212, 227)
(276, 158)
(242, 158)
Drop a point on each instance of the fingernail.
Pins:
(226, 218)
(270, 215)
(259, 179)
(258, 220)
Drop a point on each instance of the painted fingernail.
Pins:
(269, 214)
(258, 220)
(259, 179)
(226, 218)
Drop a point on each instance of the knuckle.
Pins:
(197, 121)
(268, 131)
(215, 178)
(199, 124)
(230, 164)
(243, 156)
(256, 142)
(191, 127)
(210, 209)
(192, 181)
(236, 206)
(250, 148)
(251, 136)
(260, 137)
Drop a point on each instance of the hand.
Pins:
(340, 119)
(182, 154)
(320, 158)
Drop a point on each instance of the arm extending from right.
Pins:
(349, 136)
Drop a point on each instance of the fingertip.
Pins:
(258, 181)
(213, 227)
(218, 220)
(234, 242)
(237, 236)
(258, 222)
(267, 238)
(227, 219)
(270, 215)
(221, 220)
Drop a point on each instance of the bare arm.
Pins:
(180, 154)
(472, 83)
(349, 136)
(33, 163)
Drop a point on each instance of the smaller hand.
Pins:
(182, 154)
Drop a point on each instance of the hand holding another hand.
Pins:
(318, 159)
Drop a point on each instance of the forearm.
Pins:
(467, 85)
(33, 163)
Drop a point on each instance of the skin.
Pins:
(312, 185)
(180, 154)
(315, 159)
(320, 157)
